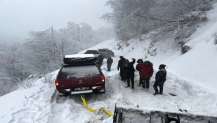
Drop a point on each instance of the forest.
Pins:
(43, 51)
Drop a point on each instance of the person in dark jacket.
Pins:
(100, 61)
(138, 67)
(160, 79)
(120, 66)
(131, 73)
(126, 70)
(109, 63)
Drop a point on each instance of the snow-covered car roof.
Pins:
(80, 56)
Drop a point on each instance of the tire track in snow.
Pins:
(71, 106)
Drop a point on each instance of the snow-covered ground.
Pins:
(38, 103)
(29, 104)
(191, 77)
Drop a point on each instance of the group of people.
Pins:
(127, 70)
(145, 69)
(99, 62)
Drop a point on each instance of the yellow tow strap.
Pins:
(92, 110)
(85, 104)
(109, 113)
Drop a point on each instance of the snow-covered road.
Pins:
(39, 104)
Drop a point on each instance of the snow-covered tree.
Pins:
(133, 18)
(43, 52)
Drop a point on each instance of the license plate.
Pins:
(81, 89)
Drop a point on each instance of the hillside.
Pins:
(199, 65)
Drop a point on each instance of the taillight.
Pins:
(103, 78)
(57, 83)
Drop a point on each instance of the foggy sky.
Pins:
(18, 17)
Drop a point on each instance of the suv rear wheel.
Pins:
(102, 91)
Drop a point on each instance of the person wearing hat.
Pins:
(160, 79)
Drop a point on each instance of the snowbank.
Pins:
(199, 65)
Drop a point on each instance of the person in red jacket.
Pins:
(146, 71)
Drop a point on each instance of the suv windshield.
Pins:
(78, 71)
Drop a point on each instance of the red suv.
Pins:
(78, 79)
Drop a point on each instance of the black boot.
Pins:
(155, 86)
(155, 93)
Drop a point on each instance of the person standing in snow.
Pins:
(131, 73)
(147, 70)
(109, 63)
(138, 67)
(100, 61)
(126, 71)
(160, 79)
(120, 66)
